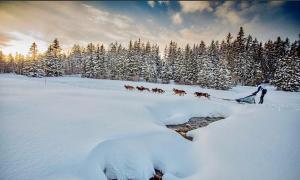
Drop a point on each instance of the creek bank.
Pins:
(193, 123)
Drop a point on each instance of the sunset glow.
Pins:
(159, 22)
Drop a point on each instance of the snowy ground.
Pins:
(75, 128)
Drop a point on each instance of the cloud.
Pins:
(5, 39)
(207, 34)
(228, 13)
(244, 4)
(276, 3)
(190, 7)
(70, 22)
(176, 18)
(164, 2)
(194, 6)
(81, 23)
(74, 22)
(151, 3)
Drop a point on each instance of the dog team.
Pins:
(160, 91)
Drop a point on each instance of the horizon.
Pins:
(107, 22)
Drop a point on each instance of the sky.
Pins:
(82, 22)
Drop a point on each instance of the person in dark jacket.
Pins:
(263, 93)
(249, 99)
(259, 88)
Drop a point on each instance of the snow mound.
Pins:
(257, 142)
(180, 111)
(136, 157)
(77, 128)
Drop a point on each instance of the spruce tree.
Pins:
(11, 63)
(179, 67)
(166, 73)
(269, 60)
(2, 62)
(99, 63)
(132, 69)
(32, 64)
(88, 60)
(239, 58)
(74, 62)
(255, 76)
(52, 62)
(287, 75)
(120, 63)
(190, 66)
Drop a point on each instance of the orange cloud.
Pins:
(5, 39)
(193, 6)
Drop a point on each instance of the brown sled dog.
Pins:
(179, 92)
(129, 87)
(200, 94)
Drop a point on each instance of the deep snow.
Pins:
(74, 128)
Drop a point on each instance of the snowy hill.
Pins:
(77, 128)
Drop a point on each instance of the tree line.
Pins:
(242, 60)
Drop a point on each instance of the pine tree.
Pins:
(222, 70)
(99, 63)
(52, 61)
(269, 60)
(179, 67)
(132, 69)
(190, 66)
(255, 76)
(74, 61)
(19, 63)
(112, 58)
(11, 64)
(157, 60)
(229, 52)
(239, 58)
(120, 63)
(32, 64)
(203, 66)
(145, 62)
(88, 61)
(287, 75)
(221, 76)
(166, 73)
(137, 60)
(205, 74)
(2, 63)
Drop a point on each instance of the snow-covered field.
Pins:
(76, 128)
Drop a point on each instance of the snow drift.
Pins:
(76, 128)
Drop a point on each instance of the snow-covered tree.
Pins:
(179, 67)
(112, 59)
(239, 58)
(99, 62)
(269, 60)
(11, 65)
(32, 64)
(88, 61)
(190, 66)
(144, 61)
(74, 61)
(205, 71)
(166, 73)
(287, 75)
(222, 74)
(120, 63)
(20, 59)
(242, 60)
(2, 63)
(52, 61)
(131, 66)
